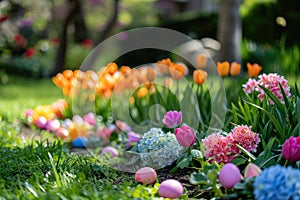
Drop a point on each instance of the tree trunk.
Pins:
(229, 30)
(63, 39)
(81, 32)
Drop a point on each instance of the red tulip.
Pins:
(185, 136)
(291, 149)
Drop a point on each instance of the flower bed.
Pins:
(252, 160)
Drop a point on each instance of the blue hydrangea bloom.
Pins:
(278, 182)
(159, 149)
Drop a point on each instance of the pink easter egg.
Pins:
(145, 175)
(62, 133)
(52, 125)
(170, 189)
(229, 175)
(114, 152)
(41, 122)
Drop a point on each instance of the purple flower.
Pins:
(291, 149)
(172, 119)
(26, 22)
(185, 136)
(132, 138)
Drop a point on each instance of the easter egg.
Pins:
(52, 125)
(41, 122)
(80, 142)
(145, 175)
(62, 133)
(170, 189)
(229, 175)
(114, 152)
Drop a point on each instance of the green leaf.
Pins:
(287, 105)
(251, 156)
(197, 178)
(208, 167)
(196, 153)
(212, 175)
(297, 109)
(272, 117)
(234, 113)
(239, 161)
(274, 98)
(57, 178)
(264, 156)
(184, 162)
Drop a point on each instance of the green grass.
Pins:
(20, 93)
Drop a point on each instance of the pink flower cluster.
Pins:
(270, 81)
(223, 149)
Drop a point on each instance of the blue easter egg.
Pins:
(80, 142)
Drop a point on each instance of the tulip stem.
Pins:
(286, 162)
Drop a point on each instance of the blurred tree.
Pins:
(110, 23)
(75, 15)
(74, 5)
(80, 29)
(230, 30)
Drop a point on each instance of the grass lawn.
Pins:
(20, 93)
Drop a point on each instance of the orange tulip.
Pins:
(201, 60)
(111, 68)
(151, 74)
(58, 80)
(78, 74)
(68, 74)
(131, 100)
(142, 92)
(199, 76)
(58, 107)
(235, 69)
(124, 69)
(253, 69)
(223, 68)
(163, 65)
(177, 71)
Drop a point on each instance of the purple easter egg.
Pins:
(114, 152)
(229, 175)
(170, 189)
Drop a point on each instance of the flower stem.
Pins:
(286, 162)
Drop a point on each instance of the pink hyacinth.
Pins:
(218, 148)
(243, 136)
(172, 119)
(270, 81)
(291, 149)
(249, 87)
(185, 136)
(223, 149)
